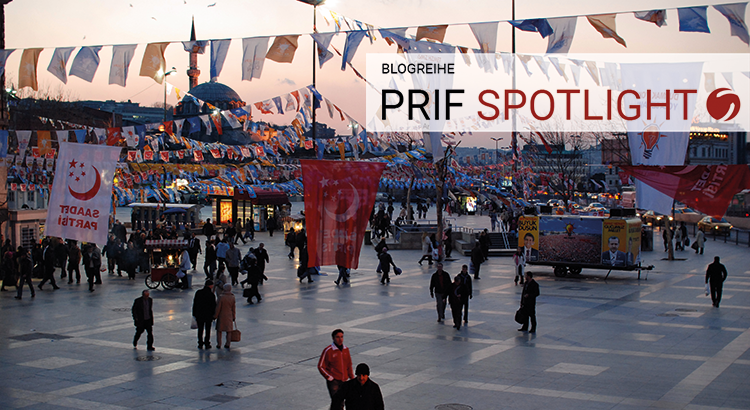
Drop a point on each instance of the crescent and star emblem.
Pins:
(76, 174)
(350, 212)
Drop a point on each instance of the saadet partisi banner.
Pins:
(81, 195)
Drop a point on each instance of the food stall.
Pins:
(164, 258)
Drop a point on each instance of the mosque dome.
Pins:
(220, 96)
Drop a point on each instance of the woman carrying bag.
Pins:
(225, 316)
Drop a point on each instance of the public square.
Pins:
(620, 343)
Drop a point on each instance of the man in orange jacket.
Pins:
(335, 363)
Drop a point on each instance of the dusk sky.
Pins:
(54, 23)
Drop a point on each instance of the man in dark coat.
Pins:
(440, 285)
(262, 256)
(120, 232)
(48, 257)
(528, 302)
(716, 274)
(467, 292)
(386, 261)
(484, 242)
(194, 248)
(92, 261)
(143, 315)
(477, 258)
(25, 267)
(208, 229)
(204, 307)
(359, 393)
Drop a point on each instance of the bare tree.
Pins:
(560, 157)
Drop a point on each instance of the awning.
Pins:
(263, 197)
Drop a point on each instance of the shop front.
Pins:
(260, 205)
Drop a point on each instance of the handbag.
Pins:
(520, 316)
(694, 245)
(247, 292)
(397, 271)
(687, 241)
(194, 323)
(235, 335)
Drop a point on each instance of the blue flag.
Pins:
(693, 19)
(195, 124)
(353, 38)
(540, 26)
(80, 136)
(320, 147)
(86, 63)
(219, 50)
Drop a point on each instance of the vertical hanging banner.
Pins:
(339, 197)
(81, 195)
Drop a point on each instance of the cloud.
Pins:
(288, 81)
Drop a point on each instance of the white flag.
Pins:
(58, 64)
(130, 136)
(486, 35)
(81, 196)
(253, 56)
(561, 38)
(86, 63)
(658, 140)
(122, 55)
(323, 40)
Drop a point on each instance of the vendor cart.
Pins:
(164, 258)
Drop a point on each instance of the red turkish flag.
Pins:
(164, 156)
(148, 155)
(114, 135)
(198, 155)
(339, 196)
(706, 188)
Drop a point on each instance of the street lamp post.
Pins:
(172, 71)
(315, 4)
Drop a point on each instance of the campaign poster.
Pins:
(570, 239)
(614, 241)
(528, 237)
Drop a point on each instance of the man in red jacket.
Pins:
(335, 363)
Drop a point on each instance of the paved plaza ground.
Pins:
(622, 343)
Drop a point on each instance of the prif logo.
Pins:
(723, 104)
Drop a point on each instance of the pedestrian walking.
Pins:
(678, 244)
(230, 233)
(225, 316)
(221, 254)
(467, 291)
(386, 261)
(290, 241)
(519, 259)
(716, 274)
(111, 252)
(9, 271)
(335, 364)
(359, 393)
(238, 234)
(233, 257)
(92, 262)
(484, 242)
(74, 262)
(208, 229)
(209, 264)
(455, 298)
(528, 303)
(254, 278)
(48, 258)
(426, 249)
(194, 248)
(303, 271)
(440, 286)
(700, 241)
(143, 316)
(204, 307)
(25, 269)
(343, 275)
(262, 255)
(477, 259)
(271, 225)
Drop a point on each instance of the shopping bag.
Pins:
(235, 335)
(694, 245)
(687, 241)
(520, 317)
(397, 271)
(708, 290)
(194, 323)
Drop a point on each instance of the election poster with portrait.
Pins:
(528, 237)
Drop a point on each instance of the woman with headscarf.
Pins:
(225, 315)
